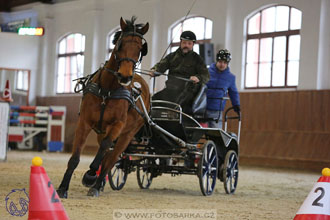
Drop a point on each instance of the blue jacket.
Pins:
(226, 81)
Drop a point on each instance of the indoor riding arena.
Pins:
(82, 135)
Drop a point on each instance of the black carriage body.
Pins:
(172, 142)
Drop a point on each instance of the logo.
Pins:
(17, 202)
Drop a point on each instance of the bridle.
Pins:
(143, 52)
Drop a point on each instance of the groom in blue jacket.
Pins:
(221, 82)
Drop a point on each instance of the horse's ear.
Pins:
(123, 23)
(145, 28)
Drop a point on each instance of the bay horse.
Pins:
(108, 107)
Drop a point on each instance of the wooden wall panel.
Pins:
(279, 128)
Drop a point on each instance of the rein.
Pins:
(147, 72)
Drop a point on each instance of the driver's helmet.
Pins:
(188, 35)
(224, 55)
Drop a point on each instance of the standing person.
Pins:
(221, 81)
(184, 63)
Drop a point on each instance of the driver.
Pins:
(184, 63)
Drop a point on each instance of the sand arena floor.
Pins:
(261, 193)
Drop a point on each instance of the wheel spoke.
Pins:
(210, 151)
(205, 158)
(142, 181)
(213, 159)
(117, 179)
(113, 173)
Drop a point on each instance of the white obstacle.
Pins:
(28, 121)
(4, 116)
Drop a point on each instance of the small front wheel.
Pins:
(208, 168)
(144, 174)
(230, 172)
(118, 175)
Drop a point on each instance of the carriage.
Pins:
(173, 142)
(164, 140)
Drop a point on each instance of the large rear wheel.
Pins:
(207, 168)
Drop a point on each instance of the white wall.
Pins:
(20, 52)
(95, 18)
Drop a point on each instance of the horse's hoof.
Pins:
(89, 180)
(93, 192)
(62, 193)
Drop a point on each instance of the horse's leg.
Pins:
(89, 177)
(81, 134)
(109, 160)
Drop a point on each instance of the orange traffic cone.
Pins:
(6, 96)
(44, 201)
(317, 204)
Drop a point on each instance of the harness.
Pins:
(105, 94)
(87, 86)
(120, 93)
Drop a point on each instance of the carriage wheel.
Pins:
(207, 168)
(144, 174)
(230, 172)
(118, 175)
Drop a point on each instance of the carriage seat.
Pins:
(199, 104)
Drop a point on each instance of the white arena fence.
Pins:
(4, 119)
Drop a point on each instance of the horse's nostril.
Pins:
(119, 76)
(124, 80)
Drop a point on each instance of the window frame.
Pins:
(5, 70)
(288, 33)
(180, 23)
(71, 55)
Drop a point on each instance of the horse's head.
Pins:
(130, 48)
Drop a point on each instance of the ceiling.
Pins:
(7, 5)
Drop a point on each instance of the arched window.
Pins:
(201, 26)
(111, 46)
(273, 48)
(70, 63)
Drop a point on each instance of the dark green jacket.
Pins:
(184, 65)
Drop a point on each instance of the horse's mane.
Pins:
(130, 27)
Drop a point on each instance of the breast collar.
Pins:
(105, 94)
